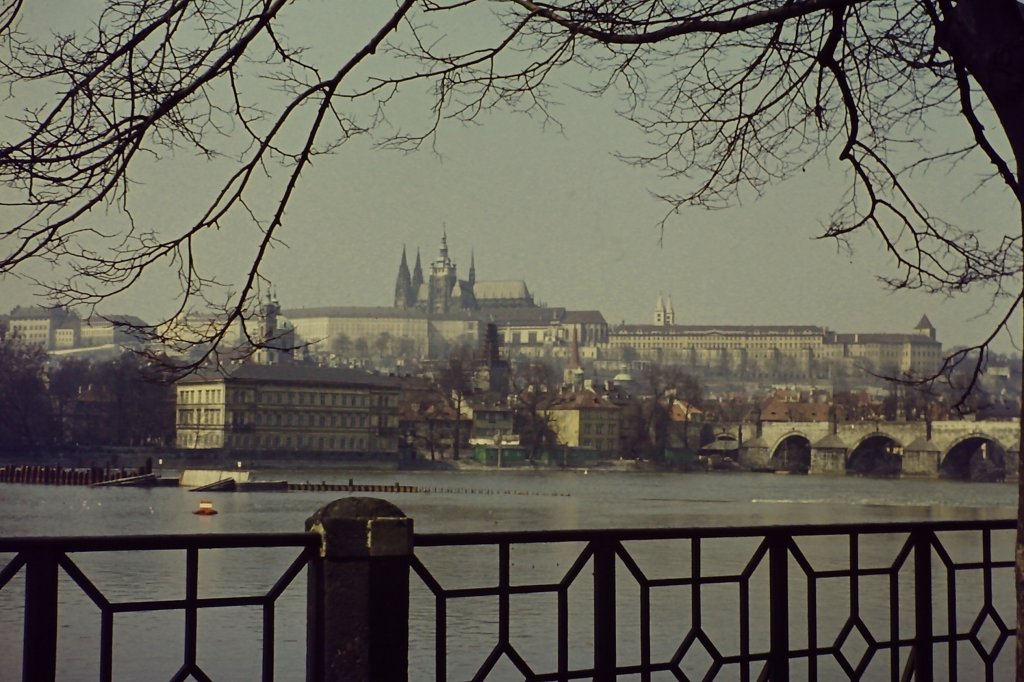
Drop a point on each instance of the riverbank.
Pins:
(158, 459)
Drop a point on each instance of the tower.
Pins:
(417, 277)
(442, 280)
(659, 311)
(404, 292)
(925, 328)
(277, 336)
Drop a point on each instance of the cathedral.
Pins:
(442, 292)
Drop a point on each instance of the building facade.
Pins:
(349, 331)
(287, 408)
(583, 419)
(51, 328)
(776, 350)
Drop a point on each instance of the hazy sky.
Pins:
(579, 226)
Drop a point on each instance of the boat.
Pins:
(205, 508)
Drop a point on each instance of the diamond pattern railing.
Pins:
(895, 601)
(43, 558)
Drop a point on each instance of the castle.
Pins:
(443, 292)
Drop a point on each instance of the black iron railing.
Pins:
(895, 601)
(42, 558)
(804, 588)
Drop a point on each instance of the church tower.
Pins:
(664, 314)
(276, 335)
(925, 328)
(417, 278)
(404, 294)
(442, 280)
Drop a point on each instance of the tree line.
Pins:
(126, 401)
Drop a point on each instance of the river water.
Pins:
(148, 646)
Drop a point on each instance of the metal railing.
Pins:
(801, 601)
(42, 558)
(916, 565)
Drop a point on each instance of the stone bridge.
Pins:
(955, 449)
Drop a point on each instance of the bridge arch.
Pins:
(976, 457)
(877, 454)
(792, 453)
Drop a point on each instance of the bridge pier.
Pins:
(921, 459)
(920, 464)
(1013, 463)
(828, 456)
(827, 462)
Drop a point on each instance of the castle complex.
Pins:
(434, 311)
(774, 350)
(444, 292)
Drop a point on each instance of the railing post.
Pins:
(604, 611)
(923, 629)
(778, 590)
(359, 592)
(39, 660)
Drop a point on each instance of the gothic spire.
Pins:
(403, 284)
(417, 274)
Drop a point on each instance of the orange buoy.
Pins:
(205, 508)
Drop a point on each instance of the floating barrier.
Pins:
(35, 474)
(351, 487)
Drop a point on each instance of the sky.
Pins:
(557, 209)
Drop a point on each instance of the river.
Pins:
(148, 646)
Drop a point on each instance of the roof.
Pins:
(293, 374)
(881, 338)
(501, 289)
(36, 312)
(782, 410)
(753, 330)
(370, 312)
(925, 323)
(524, 315)
(580, 400)
(109, 320)
(584, 317)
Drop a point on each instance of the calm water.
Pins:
(148, 646)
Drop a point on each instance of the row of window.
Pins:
(599, 443)
(325, 443)
(322, 398)
(188, 396)
(348, 421)
(199, 416)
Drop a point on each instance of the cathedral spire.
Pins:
(403, 284)
(472, 267)
(417, 274)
